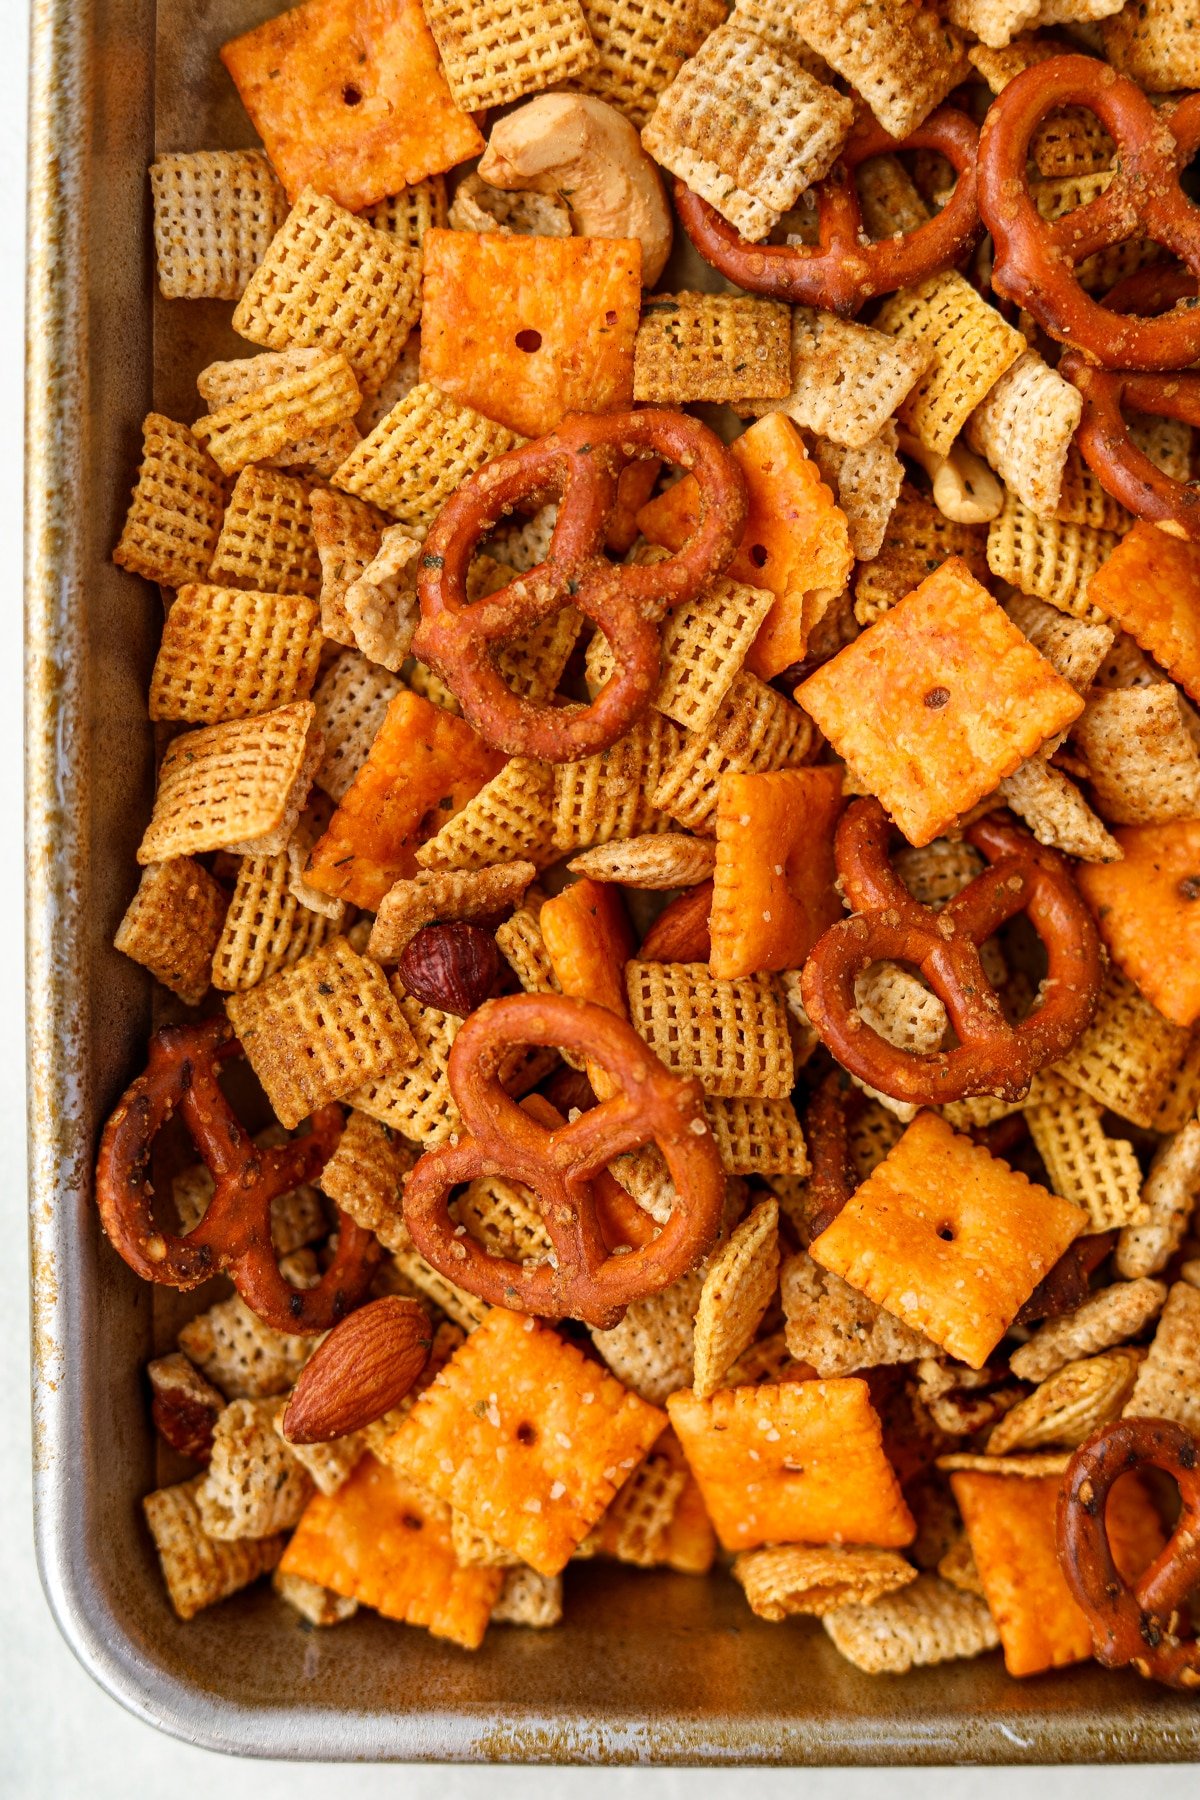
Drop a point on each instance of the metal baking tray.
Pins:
(648, 1667)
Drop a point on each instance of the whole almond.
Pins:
(363, 1368)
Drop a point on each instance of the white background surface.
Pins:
(60, 1735)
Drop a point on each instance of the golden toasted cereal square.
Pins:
(1047, 558)
(320, 1606)
(200, 1570)
(652, 1349)
(1129, 1054)
(225, 787)
(1075, 647)
(172, 924)
(867, 483)
(523, 947)
(317, 450)
(938, 701)
(444, 894)
(231, 653)
(529, 329)
(1155, 43)
(266, 540)
(1109, 1316)
(215, 213)
(331, 1463)
(1145, 907)
(927, 1622)
(948, 1238)
(526, 1437)
(1140, 751)
(1151, 586)
(748, 108)
(511, 817)
(773, 884)
(351, 702)
(505, 1217)
(1069, 1405)
(731, 1035)
(902, 58)
(916, 540)
(711, 347)
(348, 534)
(351, 103)
(175, 514)
(613, 794)
(641, 45)
(1168, 1381)
(739, 1285)
(332, 282)
(364, 1177)
(634, 1529)
(758, 1137)
(241, 1355)
(385, 1542)
(529, 1599)
(994, 22)
(793, 1462)
(1056, 812)
(835, 1330)
(1085, 1165)
(300, 403)
(754, 730)
(465, 1310)
(1024, 426)
(318, 1030)
(1169, 1197)
(416, 1101)
(496, 51)
(1097, 273)
(847, 379)
(786, 1579)
(419, 453)
(967, 346)
(380, 606)
(254, 1486)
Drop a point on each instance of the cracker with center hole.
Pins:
(927, 1622)
(739, 1285)
(444, 895)
(529, 1599)
(230, 785)
(966, 345)
(254, 1486)
(1024, 426)
(1168, 1382)
(174, 517)
(1128, 1055)
(834, 1329)
(785, 1580)
(231, 653)
(266, 928)
(215, 213)
(900, 57)
(773, 884)
(200, 1570)
(1044, 557)
(938, 701)
(916, 540)
(332, 282)
(318, 1030)
(510, 817)
(1155, 44)
(1069, 1405)
(1169, 1196)
(693, 346)
(867, 484)
(423, 766)
(1141, 754)
(1109, 1316)
(749, 108)
(526, 1437)
(419, 453)
(1146, 910)
(731, 1035)
(755, 730)
(260, 424)
(847, 379)
(347, 534)
(641, 46)
(948, 1238)
(385, 1541)
(497, 51)
(266, 539)
(528, 330)
(651, 1350)
(665, 860)
(613, 794)
(1151, 586)
(796, 1462)
(172, 924)
(364, 1176)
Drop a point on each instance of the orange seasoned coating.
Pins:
(938, 701)
(798, 1462)
(773, 888)
(589, 940)
(1151, 586)
(1147, 908)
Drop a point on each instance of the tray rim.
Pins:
(60, 1148)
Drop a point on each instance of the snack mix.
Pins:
(677, 931)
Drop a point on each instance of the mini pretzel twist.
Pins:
(562, 1166)
(1035, 260)
(1123, 470)
(832, 1176)
(843, 270)
(1133, 1625)
(234, 1235)
(991, 1055)
(580, 463)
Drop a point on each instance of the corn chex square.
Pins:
(175, 514)
(229, 653)
(215, 213)
(917, 538)
(496, 51)
(731, 1035)
(266, 927)
(412, 212)
(419, 453)
(266, 540)
(1085, 1164)
(416, 1101)
(1129, 1055)
(1056, 562)
(172, 924)
(332, 282)
(968, 348)
(510, 818)
(526, 1437)
(641, 46)
(317, 1030)
(317, 451)
(364, 1176)
(902, 58)
(948, 1238)
(612, 794)
(755, 729)
(711, 347)
(300, 402)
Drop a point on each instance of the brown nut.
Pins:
(184, 1406)
(360, 1371)
(680, 932)
(454, 967)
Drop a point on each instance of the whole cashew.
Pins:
(591, 155)
(964, 488)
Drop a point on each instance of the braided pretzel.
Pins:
(991, 1055)
(1035, 260)
(842, 271)
(562, 1165)
(234, 1235)
(1135, 1625)
(1122, 469)
(581, 462)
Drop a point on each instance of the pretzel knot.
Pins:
(563, 1167)
(1104, 439)
(1035, 260)
(991, 1056)
(580, 463)
(1138, 1624)
(843, 270)
(234, 1235)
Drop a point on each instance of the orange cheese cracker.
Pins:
(1011, 1524)
(381, 1540)
(528, 329)
(937, 701)
(350, 99)
(526, 1436)
(422, 768)
(1151, 586)
(796, 542)
(589, 939)
(948, 1238)
(773, 892)
(799, 1462)
(1148, 910)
